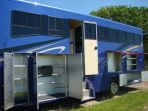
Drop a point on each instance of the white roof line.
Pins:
(36, 4)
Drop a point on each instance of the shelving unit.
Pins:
(114, 62)
(20, 77)
(131, 62)
(51, 76)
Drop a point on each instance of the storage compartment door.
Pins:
(75, 73)
(35, 80)
(90, 48)
(8, 81)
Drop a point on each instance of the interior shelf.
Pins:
(56, 74)
(20, 66)
(17, 78)
(131, 58)
(132, 64)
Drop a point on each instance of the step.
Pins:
(86, 93)
(87, 98)
(84, 85)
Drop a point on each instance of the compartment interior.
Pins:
(114, 62)
(20, 77)
(51, 76)
(131, 62)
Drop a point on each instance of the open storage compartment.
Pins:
(114, 62)
(16, 89)
(20, 77)
(131, 62)
(51, 76)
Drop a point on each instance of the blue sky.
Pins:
(86, 6)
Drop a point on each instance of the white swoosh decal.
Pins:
(131, 48)
(32, 50)
(61, 48)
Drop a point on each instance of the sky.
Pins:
(86, 6)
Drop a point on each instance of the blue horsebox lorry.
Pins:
(49, 54)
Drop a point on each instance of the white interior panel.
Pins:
(114, 62)
(144, 75)
(20, 76)
(51, 83)
(90, 57)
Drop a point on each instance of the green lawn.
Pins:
(129, 102)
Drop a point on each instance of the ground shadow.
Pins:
(71, 103)
(106, 95)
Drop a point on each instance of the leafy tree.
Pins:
(135, 16)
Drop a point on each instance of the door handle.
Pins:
(95, 48)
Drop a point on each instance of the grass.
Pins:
(130, 102)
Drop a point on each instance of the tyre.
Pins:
(114, 88)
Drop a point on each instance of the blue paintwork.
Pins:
(101, 81)
(6, 41)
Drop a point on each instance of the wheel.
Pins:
(114, 88)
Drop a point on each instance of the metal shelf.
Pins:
(19, 66)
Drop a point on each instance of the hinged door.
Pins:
(8, 81)
(35, 80)
(75, 72)
(90, 48)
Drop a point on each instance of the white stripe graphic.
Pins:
(61, 48)
(30, 51)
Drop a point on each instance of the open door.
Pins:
(75, 71)
(8, 81)
(35, 80)
(90, 48)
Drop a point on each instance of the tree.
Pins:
(135, 16)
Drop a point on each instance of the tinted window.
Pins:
(90, 31)
(24, 24)
(58, 24)
(129, 37)
(121, 36)
(19, 18)
(137, 38)
(33, 20)
(112, 34)
(102, 33)
(55, 26)
(44, 25)
(51, 23)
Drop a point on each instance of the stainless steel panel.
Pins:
(123, 79)
(35, 71)
(8, 81)
(75, 71)
(134, 76)
(129, 78)
(144, 75)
